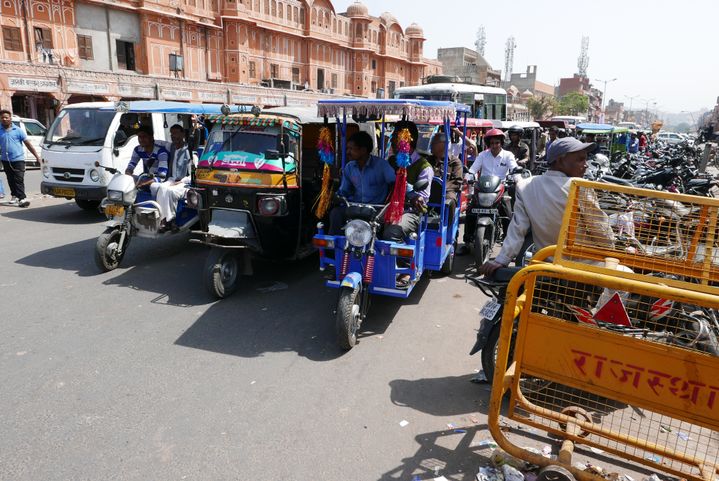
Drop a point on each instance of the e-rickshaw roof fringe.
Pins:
(415, 110)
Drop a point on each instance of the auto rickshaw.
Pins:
(612, 140)
(258, 179)
(362, 264)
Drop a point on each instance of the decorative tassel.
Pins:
(402, 159)
(327, 156)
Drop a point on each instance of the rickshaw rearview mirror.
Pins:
(271, 154)
(283, 145)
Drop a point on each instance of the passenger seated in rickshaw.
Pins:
(174, 187)
(155, 158)
(365, 179)
(454, 176)
(416, 201)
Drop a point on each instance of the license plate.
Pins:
(63, 192)
(490, 309)
(484, 211)
(114, 210)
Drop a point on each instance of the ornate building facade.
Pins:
(272, 52)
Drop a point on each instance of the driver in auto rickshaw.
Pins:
(155, 159)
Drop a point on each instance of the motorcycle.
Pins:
(132, 212)
(490, 199)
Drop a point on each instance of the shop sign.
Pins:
(212, 96)
(135, 91)
(31, 84)
(177, 94)
(88, 88)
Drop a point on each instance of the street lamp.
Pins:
(604, 94)
(631, 100)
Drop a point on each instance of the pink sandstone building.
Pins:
(272, 52)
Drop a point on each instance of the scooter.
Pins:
(131, 212)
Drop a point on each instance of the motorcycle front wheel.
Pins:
(107, 257)
(348, 317)
(222, 272)
(482, 245)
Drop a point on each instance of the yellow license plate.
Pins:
(63, 192)
(114, 210)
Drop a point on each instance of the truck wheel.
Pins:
(222, 272)
(85, 204)
(348, 317)
(106, 247)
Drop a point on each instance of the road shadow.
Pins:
(66, 214)
(75, 257)
(443, 396)
(285, 307)
(455, 454)
(142, 254)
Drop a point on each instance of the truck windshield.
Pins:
(80, 127)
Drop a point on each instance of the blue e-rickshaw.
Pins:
(363, 264)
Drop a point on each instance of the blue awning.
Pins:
(162, 107)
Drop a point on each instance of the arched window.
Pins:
(267, 7)
(289, 13)
(314, 16)
(274, 8)
(358, 32)
(280, 11)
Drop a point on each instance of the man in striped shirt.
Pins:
(154, 155)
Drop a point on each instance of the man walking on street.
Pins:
(12, 156)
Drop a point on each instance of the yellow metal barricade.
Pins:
(648, 231)
(621, 361)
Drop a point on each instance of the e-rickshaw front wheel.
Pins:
(349, 316)
(222, 272)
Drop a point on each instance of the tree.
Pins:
(540, 107)
(573, 103)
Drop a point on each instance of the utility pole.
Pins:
(631, 99)
(604, 94)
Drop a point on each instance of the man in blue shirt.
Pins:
(155, 158)
(365, 179)
(633, 144)
(12, 156)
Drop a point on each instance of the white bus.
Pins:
(485, 102)
(572, 120)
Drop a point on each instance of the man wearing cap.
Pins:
(493, 161)
(541, 201)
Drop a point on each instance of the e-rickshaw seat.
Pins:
(434, 221)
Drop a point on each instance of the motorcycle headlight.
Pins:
(46, 171)
(486, 199)
(358, 233)
(94, 175)
(114, 195)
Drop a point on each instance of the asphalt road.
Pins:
(137, 374)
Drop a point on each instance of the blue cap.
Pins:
(566, 145)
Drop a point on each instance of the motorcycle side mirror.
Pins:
(420, 185)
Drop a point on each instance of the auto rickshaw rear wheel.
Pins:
(222, 272)
(448, 264)
(348, 317)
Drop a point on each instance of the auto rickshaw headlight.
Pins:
(358, 233)
(272, 205)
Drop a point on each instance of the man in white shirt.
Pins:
(493, 161)
(174, 187)
(541, 201)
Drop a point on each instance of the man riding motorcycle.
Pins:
(493, 161)
(515, 145)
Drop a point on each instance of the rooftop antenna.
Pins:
(509, 58)
(481, 40)
(583, 60)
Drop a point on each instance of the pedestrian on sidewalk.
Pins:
(12, 156)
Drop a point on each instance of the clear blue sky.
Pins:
(657, 49)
